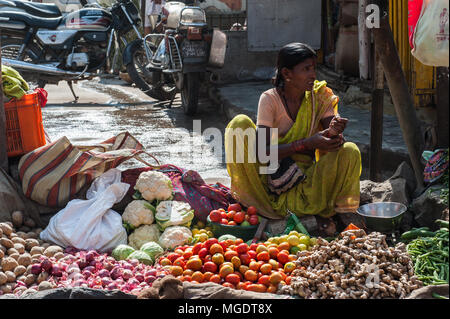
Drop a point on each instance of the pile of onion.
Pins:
(90, 269)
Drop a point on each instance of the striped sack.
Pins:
(53, 174)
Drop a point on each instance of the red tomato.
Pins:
(224, 245)
(252, 210)
(245, 259)
(215, 216)
(224, 221)
(224, 215)
(239, 217)
(232, 223)
(242, 248)
(203, 252)
(173, 256)
(253, 246)
(236, 207)
(210, 266)
(253, 220)
(197, 248)
(252, 253)
(209, 242)
(230, 214)
(233, 279)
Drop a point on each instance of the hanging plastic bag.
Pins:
(91, 224)
(431, 36)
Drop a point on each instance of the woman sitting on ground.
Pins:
(319, 172)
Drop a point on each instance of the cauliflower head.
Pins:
(173, 213)
(139, 212)
(143, 235)
(175, 236)
(154, 185)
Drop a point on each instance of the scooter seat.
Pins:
(32, 21)
(49, 10)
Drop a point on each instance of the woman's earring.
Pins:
(288, 80)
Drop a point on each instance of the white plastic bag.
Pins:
(431, 35)
(91, 224)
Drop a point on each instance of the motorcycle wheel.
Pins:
(149, 83)
(190, 93)
(10, 49)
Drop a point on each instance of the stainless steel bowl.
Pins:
(383, 217)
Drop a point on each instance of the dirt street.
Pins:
(107, 107)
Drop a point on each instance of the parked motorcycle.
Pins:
(177, 60)
(47, 48)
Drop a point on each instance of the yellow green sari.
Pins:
(332, 180)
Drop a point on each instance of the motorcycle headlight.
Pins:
(193, 15)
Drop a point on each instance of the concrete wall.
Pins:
(242, 65)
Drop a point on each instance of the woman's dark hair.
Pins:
(289, 56)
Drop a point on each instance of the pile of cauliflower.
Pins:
(139, 216)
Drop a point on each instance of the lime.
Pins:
(304, 240)
(294, 232)
(302, 247)
(209, 233)
(313, 241)
(294, 250)
(195, 231)
(202, 237)
(282, 239)
(293, 240)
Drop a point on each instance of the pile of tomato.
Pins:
(260, 267)
(235, 215)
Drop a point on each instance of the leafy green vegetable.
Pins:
(142, 257)
(152, 249)
(122, 252)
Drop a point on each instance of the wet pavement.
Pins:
(107, 107)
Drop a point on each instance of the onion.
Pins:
(127, 274)
(56, 271)
(36, 269)
(106, 281)
(82, 263)
(112, 286)
(139, 277)
(151, 272)
(90, 256)
(107, 265)
(128, 266)
(134, 262)
(87, 274)
(46, 264)
(116, 272)
(103, 273)
(78, 277)
(150, 279)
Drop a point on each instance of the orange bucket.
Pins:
(24, 129)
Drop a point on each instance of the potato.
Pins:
(30, 279)
(35, 259)
(42, 277)
(30, 243)
(29, 291)
(2, 254)
(24, 259)
(22, 235)
(36, 250)
(15, 256)
(7, 243)
(20, 270)
(6, 229)
(45, 245)
(1, 232)
(12, 251)
(18, 240)
(11, 277)
(3, 248)
(9, 263)
(17, 218)
(32, 235)
(45, 285)
(3, 278)
(20, 248)
(59, 255)
(52, 250)
(6, 288)
(19, 290)
(21, 277)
